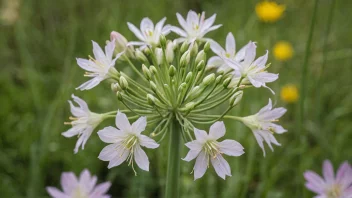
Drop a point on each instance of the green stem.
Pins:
(173, 166)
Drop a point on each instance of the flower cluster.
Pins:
(175, 89)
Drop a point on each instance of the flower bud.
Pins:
(209, 79)
(140, 56)
(153, 69)
(123, 83)
(236, 98)
(151, 99)
(115, 87)
(119, 96)
(206, 46)
(226, 82)
(121, 44)
(189, 106)
(153, 86)
(162, 41)
(170, 52)
(146, 51)
(146, 72)
(200, 56)
(185, 58)
(189, 77)
(194, 49)
(184, 47)
(218, 79)
(182, 87)
(159, 55)
(172, 71)
(200, 65)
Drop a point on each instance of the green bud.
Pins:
(221, 72)
(201, 56)
(218, 79)
(184, 47)
(146, 72)
(194, 48)
(189, 106)
(147, 51)
(151, 99)
(115, 87)
(185, 58)
(236, 98)
(189, 77)
(206, 46)
(169, 52)
(182, 87)
(200, 65)
(119, 96)
(172, 71)
(140, 56)
(123, 83)
(153, 69)
(226, 82)
(162, 41)
(209, 79)
(153, 86)
(159, 55)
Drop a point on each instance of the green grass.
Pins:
(39, 73)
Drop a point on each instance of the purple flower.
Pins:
(331, 186)
(82, 187)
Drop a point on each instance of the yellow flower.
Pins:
(289, 93)
(283, 51)
(269, 11)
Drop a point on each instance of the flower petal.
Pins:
(141, 158)
(148, 142)
(314, 182)
(122, 122)
(135, 31)
(100, 190)
(239, 57)
(83, 138)
(261, 61)
(221, 166)
(98, 52)
(231, 148)
(90, 83)
(146, 24)
(344, 174)
(68, 182)
(139, 125)
(230, 44)
(208, 22)
(215, 61)
(159, 27)
(201, 165)
(111, 134)
(109, 49)
(109, 152)
(266, 108)
(56, 193)
(249, 54)
(328, 171)
(217, 130)
(175, 29)
(216, 48)
(201, 135)
(273, 114)
(181, 21)
(118, 159)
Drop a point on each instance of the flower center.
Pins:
(130, 141)
(211, 148)
(79, 193)
(334, 191)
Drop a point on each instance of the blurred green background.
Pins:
(39, 40)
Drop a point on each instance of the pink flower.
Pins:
(331, 186)
(82, 187)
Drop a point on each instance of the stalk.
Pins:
(173, 166)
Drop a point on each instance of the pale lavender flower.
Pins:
(100, 67)
(331, 186)
(194, 27)
(148, 34)
(263, 127)
(83, 123)
(206, 148)
(125, 142)
(83, 187)
(229, 52)
(252, 71)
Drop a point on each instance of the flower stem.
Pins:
(173, 166)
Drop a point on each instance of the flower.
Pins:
(263, 127)
(250, 71)
(83, 123)
(100, 67)
(331, 186)
(82, 187)
(283, 51)
(206, 147)
(126, 142)
(230, 53)
(194, 27)
(9, 13)
(269, 11)
(289, 93)
(121, 44)
(148, 34)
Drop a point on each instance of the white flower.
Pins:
(82, 187)
(252, 71)
(263, 127)
(230, 53)
(126, 142)
(206, 147)
(148, 34)
(83, 123)
(194, 27)
(99, 67)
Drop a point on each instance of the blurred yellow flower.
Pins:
(283, 50)
(9, 13)
(289, 93)
(268, 11)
